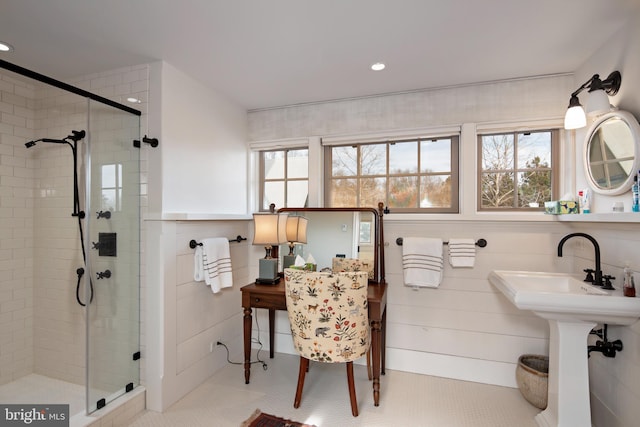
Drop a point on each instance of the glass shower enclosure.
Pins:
(113, 199)
(70, 257)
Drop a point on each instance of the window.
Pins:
(518, 170)
(284, 178)
(111, 187)
(416, 175)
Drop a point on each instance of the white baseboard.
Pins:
(454, 367)
(439, 365)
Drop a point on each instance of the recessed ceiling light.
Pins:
(134, 100)
(5, 47)
(378, 66)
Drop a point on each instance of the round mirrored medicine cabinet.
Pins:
(611, 156)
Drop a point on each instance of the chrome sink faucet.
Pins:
(598, 271)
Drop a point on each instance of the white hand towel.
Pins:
(198, 265)
(215, 261)
(422, 262)
(462, 252)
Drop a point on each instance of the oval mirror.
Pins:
(611, 157)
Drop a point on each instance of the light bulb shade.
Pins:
(598, 103)
(575, 118)
(269, 229)
(297, 229)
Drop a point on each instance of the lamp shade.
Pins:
(269, 229)
(598, 103)
(297, 229)
(575, 118)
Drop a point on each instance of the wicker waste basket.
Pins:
(532, 377)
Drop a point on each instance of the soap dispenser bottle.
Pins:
(628, 287)
(635, 194)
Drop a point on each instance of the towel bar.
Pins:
(480, 242)
(193, 243)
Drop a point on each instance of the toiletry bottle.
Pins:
(628, 287)
(635, 206)
(585, 201)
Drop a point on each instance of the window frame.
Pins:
(555, 168)
(262, 179)
(455, 160)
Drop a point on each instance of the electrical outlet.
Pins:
(211, 347)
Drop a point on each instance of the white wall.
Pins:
(202, 145)
(17, 122)
(187, 317)
(464, 329)
(198, 171)
(615, 383)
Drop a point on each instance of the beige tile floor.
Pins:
(223, 400)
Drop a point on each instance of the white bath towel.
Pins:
(462, 252)
(422, 262)
(212, 263)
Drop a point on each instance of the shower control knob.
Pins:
(103, 274)
(95, 245)
(105, 214)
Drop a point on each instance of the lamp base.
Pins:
(267, 281)
(268, 271)
(288, 261)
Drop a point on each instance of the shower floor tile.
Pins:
(38, 389)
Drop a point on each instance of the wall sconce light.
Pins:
(269, 230)
(296, 233)
(597, 103)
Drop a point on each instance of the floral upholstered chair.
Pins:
(352, 264)
(329, 320)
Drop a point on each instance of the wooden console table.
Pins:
(272, 297)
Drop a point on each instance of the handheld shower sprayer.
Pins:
(76, 135)
(72, 142)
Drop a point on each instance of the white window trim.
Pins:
(255, 148)
(467, 171)
(363, 138)
(278, 144)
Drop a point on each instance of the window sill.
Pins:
(186, 216)
(601, 217)
(476, 216)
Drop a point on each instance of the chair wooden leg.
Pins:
(352, 389)
(304, 366)
(369, 370)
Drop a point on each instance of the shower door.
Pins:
(112, 243)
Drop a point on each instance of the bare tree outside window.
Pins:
(517, 169)
(415, 175)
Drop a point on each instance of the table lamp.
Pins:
(269, 230)
(296, 233)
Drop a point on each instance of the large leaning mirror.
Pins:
(611, 157)
(340, 232)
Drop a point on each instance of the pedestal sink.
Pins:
(572, 308)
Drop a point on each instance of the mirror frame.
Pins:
(634, 128)
(378, 234)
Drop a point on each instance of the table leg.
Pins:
(376, 350)
(247, 344)
(383, 340)
(272, 328)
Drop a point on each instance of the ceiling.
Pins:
(269, 53)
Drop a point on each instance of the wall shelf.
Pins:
(601, 217)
